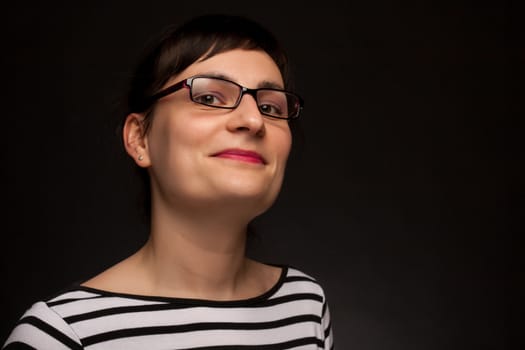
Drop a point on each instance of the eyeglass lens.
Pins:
(225, 94)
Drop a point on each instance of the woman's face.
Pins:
(198, 154)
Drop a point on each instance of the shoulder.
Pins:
(296, 281)
(305, 283)
(41, 327)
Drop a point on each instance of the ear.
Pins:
(134, 138)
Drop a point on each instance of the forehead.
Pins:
(249, 68)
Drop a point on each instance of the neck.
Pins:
(197, 257)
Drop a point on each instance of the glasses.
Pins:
(221, 93)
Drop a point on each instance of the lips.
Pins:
(241, 155)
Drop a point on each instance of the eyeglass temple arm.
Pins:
(169, 90)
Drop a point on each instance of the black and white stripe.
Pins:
(294, 314)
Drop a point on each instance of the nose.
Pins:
(247, 117)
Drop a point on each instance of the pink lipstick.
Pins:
(241, 155)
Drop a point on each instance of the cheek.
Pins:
(176, 142)
(167, 131)
(160, 139)
(173, 149)
(283, 142)
(165, 140)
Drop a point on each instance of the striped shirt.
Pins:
(293, 314)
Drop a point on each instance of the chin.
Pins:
(249, 186)
(257, 200)
(247, 191)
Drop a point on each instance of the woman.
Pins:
(209, 124)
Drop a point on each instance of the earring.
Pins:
(140, 157)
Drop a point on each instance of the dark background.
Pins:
(399, 201)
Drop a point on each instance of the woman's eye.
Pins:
(270, 109)
(208, 99)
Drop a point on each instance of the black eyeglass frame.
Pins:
(187, 83)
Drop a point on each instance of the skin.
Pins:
(202, 203)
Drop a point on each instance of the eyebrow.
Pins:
(263, 84)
